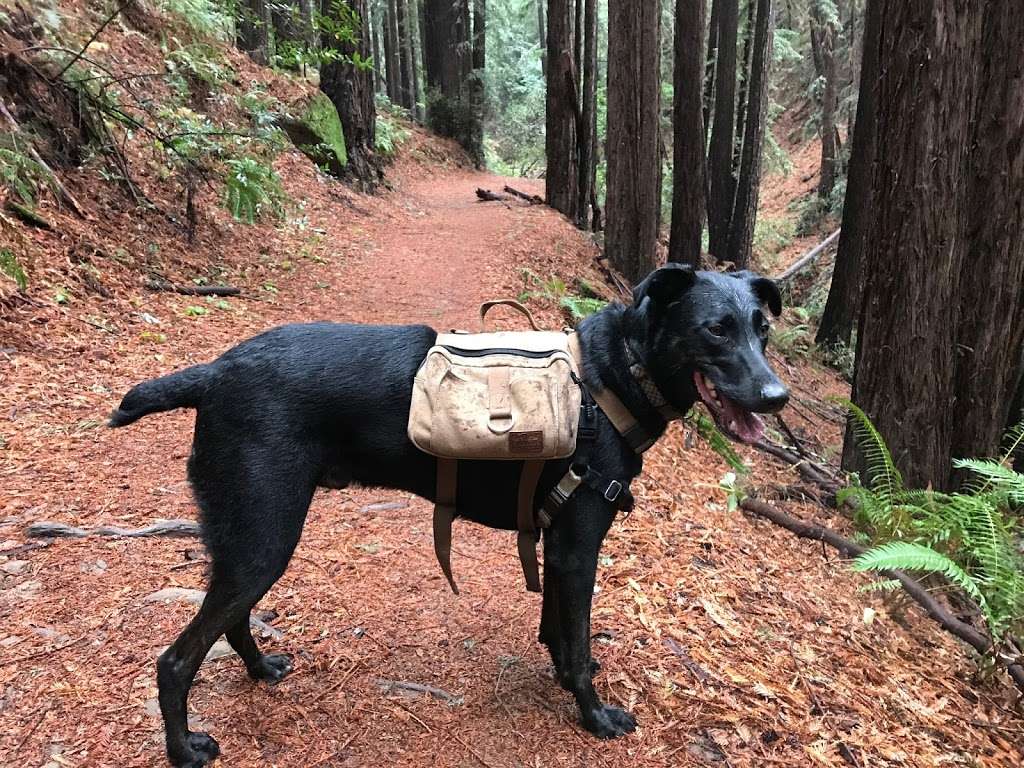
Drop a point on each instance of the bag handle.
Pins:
(487, 306)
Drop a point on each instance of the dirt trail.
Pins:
(733, 643)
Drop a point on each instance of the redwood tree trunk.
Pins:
(391, 45)
(542, 37)
(634, 162)
(721, 181)
(826, 35)
(406, 91)
(990, 334)
(744, 215)
(562, 177)
(447, 47)
(586, 211)
(843, 305)
(350, 88)
(252, 29)
(688, 171)
(914, 254)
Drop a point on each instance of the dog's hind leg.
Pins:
(253, 512)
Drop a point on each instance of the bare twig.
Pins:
(92, 39)
(193, 290)
(449, 698)
(170, 528)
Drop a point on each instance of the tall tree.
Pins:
(562, 176)
(634, 162)
(941, 329)
(350, 87)
(588, 212)
(406, 92)
(721, 181)
(477, 91)
(748, 187)
(542, 37)
(252, 29)
(843, 304)
(710, 65)
(444, 52)
(688, 169)
(412, 16)
(391, 52)
(824, 26)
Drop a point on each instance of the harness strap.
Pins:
(625, 423)
(526, 542)
(444, 514)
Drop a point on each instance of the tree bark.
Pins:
(721, 181)
(391, 46)
(744, 215)
(745, 67)
(406, 92)
(542, 37)
(688, 169)
(476, 86)
(826, 35)
(843, 304)
(711, 63)
(586, 214)
(447, 52)
(991, 327)
(634, 162)
(914, 254)
(252, 30)
(562, 177)
(350, 89)
(412, 16)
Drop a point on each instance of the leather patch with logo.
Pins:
(526, 443)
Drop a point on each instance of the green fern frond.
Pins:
(1014, 441)
(883, 585)
(907, 556)
(995, 475)
(883, 476)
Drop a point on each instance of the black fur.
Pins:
(324, 404)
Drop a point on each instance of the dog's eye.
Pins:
(716, 330)
(764, 329)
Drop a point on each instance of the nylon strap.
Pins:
(527, 539)
(444, 514)
(625, 423)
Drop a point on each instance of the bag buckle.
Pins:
(612, 492)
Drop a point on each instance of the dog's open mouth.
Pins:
(737, 422)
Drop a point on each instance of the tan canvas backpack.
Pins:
(505, 395)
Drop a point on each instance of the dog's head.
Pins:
(704, 336)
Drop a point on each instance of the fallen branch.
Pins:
(28, 216)
(807, 258)
(168, 528)
(809, 470)
(193, 290)
(449, 698)
(531, 199)
(974, 638)
(486, 196)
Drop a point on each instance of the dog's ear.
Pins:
(665, 285)
(765, 289)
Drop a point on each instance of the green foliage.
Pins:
(10, 266)
(581, 307)
(322, 119)
(212, 18)
(251, 189)
(795, 339)
(390, 134)
(197, 62)
(970, 538)
(22, 175)
(772, 235)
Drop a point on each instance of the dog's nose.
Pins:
(774, 397)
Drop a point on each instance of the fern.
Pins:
(581, 307)
(907, 556)
(884, 478)
(251, 188)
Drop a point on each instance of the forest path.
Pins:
(733, 643)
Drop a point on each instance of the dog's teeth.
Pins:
(732, 425)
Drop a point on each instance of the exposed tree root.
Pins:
(936, 611)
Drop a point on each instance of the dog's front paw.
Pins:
(272, 668)
(200, 750)
(607, 722)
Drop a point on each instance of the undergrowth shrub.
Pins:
(251, 189)
(970, 538)
(208, 17)
(10, 266)
(20, 174)
(390, 135)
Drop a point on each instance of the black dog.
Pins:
(324, 405)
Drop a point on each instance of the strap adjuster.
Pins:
(612, 492)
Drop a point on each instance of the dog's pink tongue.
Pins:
(747, 426)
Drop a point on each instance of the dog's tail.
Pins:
(182, 389)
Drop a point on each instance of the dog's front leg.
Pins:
(571, 559)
